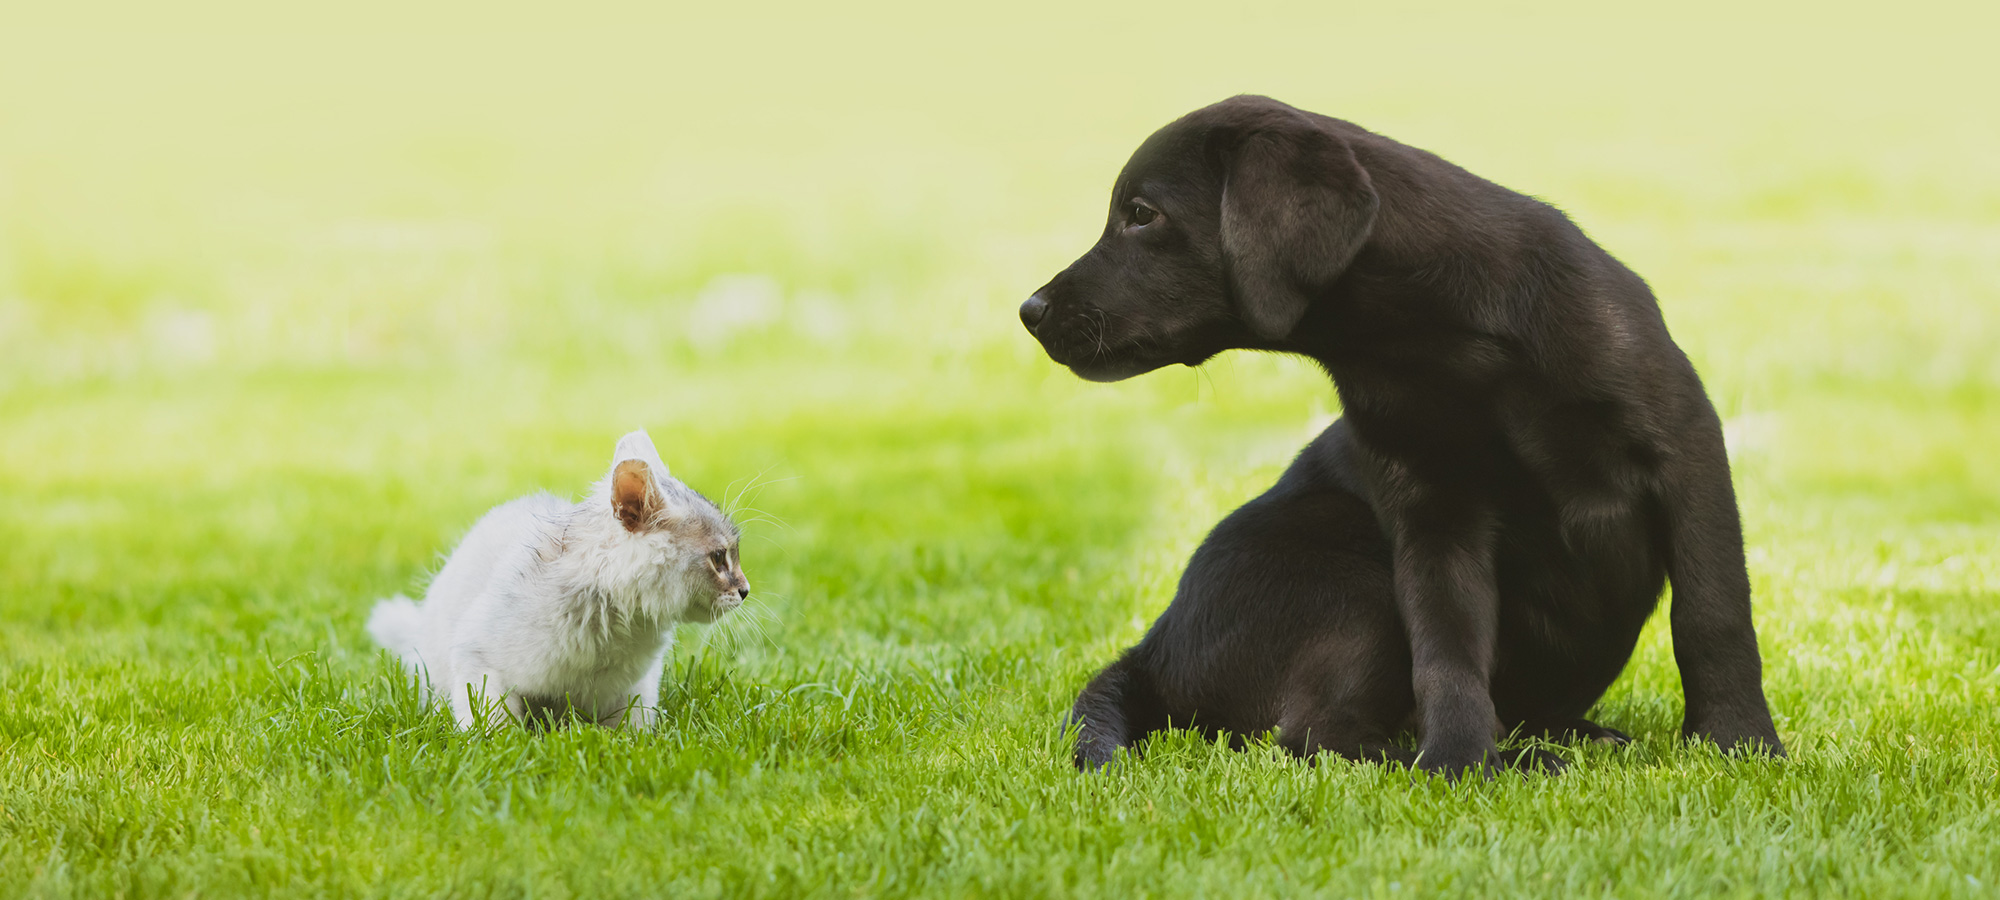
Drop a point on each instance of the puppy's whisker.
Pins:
(1102, 323)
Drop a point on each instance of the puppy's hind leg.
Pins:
(1349, 692)
(1117, 709)
(1307, 742)
(1334, 717)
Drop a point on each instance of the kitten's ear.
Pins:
(634, 496)
(638, 445)
(636, 472)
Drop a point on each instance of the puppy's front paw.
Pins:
(1454, 762)
(1535, 759)
(1757, 737)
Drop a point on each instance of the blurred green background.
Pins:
(290, 294)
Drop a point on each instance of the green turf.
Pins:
(288, 298)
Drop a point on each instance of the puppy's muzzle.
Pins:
(1033, 310)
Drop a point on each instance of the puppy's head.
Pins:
(1225, 226)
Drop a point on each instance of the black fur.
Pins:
(1526, 457)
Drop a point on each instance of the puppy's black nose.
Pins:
(1033, 310)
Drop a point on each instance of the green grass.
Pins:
(287, 299)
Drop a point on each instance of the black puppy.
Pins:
(1526, 457)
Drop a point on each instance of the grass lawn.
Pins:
(287, 299)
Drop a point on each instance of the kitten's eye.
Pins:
(719, 559)
(1141, 215)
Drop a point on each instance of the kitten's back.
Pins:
(414, 631)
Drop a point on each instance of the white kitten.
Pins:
(548, 606)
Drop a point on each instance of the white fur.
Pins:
(639, 446)
(545, 600)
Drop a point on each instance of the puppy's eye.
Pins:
(1141, 214)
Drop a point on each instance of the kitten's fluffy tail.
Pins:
(395, 624)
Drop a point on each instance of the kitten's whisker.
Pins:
(750, 618)
(729, 504)
(762, 516)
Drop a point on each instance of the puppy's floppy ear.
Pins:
(1296, 208)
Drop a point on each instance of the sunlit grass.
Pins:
(288, 298)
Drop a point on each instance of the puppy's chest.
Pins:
(1564, 478)
(1429, 396)
(1573, 485)
(1577, 523)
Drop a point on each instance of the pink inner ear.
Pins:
(632, 494)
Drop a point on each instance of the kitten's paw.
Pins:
(639, 718)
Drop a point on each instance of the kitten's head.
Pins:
(688, 531)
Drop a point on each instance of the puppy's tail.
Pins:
(396, 624)
(1117, 709)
